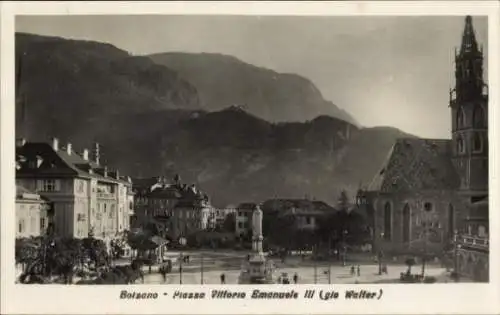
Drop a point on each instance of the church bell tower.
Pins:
(469, 108)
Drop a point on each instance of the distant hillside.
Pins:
(235, 156)
(149, 122)
(224, 80)
(73, 87)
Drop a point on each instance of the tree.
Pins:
(409, 262)
(229, 224)
(343, 201)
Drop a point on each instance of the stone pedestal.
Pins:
(257, 269)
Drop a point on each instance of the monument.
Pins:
(257, 269)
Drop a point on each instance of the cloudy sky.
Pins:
(385, 71)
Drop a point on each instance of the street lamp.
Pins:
(182, 242)
(380, 254)
(457, 246)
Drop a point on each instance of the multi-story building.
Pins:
(429, 192)
(221, 214)
(244, 213)
(185, 209)
(86, 197)
(305, 213)
(32, 213)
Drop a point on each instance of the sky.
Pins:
(383, 70)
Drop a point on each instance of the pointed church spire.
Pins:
(469, 43)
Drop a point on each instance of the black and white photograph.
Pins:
(188, 149)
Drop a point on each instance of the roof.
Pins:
(60, 163)
(246, 206)
(297, 206)
(24, 193)
(417, 164)
(479, 209)
(145, 183)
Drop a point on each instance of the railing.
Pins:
(105, 195)
(473, 241)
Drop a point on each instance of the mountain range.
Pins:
(240, 132)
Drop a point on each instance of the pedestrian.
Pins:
(359, 270)
(295, 278)
(223, 278)
(352, 270)
(163, 272)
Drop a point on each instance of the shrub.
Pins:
(430, 279)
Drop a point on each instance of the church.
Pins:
(431, 195)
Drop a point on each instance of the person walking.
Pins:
(352, 270)
(163, 272)
(359, 270)
(295, 278)
(223, 278)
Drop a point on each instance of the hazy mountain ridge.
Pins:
(224, 80)
(236, 157)
(149, 122)
(69, 85)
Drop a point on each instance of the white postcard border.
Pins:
(397, 298)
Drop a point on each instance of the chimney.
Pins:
(68, 148)
(86, 154)
(55, 144)
(117, 174)
(20, 142)
(105, 172)
(97, 155)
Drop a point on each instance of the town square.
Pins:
(152, 166)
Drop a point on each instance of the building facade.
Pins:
(424, 197)
(87, 198)
(32, 214)
(243, 227)
(184, 209)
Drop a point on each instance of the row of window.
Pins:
(243, 225)
(478, 117)
(477, 143)
(48, 185)
(406, 221)
(32, 228)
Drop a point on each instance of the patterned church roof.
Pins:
(417, 164)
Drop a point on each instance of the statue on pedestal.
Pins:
(257, 269)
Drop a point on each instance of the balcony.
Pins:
(105, 195)
(474, 242)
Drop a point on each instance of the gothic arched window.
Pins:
(477, 142)
(460, 118)
(406, 223)
(387, 221)
(478, 116)
(460, 145)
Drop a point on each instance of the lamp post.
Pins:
(455, 254)
(182, 242)
(380, 254)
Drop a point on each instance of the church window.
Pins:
(460, 118)
(460, 145)
(387, 221)
(478, 142)
(406, 223)
(478, 116)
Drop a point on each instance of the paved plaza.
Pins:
(307, 275)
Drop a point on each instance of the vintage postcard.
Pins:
(250, 157)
